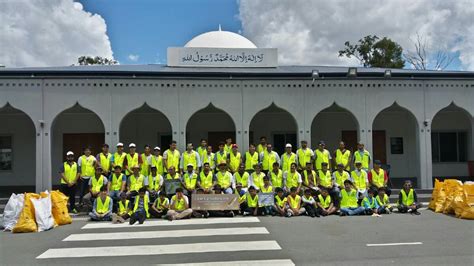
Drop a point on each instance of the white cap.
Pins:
(132, 145)
(157, 148)
(120, 144)
(190, 164)
(69, 153)
(288, 145)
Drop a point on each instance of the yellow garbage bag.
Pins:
(441, 198)
(60, 212)
(454, 189)
(27, 222)
(466, 208)
(437, 187)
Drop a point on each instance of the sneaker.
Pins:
(342, 214)
(416, 212)
(246, 214)
(288, 215)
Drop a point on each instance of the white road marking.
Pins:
(148, 223)
(235, 263)
(395, 244)
(168, 234)
(113, 251)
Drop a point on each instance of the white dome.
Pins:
(220, 39)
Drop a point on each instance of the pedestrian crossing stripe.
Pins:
(112, 251)
(283, 262)
(168, 234)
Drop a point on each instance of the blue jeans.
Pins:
(353, 210)
(115, 195)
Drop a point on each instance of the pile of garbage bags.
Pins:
(453, 197)
(31, 212)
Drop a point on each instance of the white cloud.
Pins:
(49, 33)
(133, 57)
(312, 32)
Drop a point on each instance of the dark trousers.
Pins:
(158, 214)
(310, 209)
(404, 209)
(83, 189)
(71, 193)
(221, 214)
(251, 210)
(388, 191)
(139, 216)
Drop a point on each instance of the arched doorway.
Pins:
(212, 124)
(334, 124)
(145, 126)
(17, 150)
(72, 130)
(395, 143)
(451, 137)
(277, 125)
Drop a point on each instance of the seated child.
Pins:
(309, 204)
(369, 203)
(294, 204)
(102, 209)
(407, 199)
(383, 201)
(123, 209)
(251, 200)
(160, 206)
(325, 204)
(279, 208)
(140, 207)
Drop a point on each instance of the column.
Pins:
(424, 152)
(48, 172)
(471, 151)
(39, 160)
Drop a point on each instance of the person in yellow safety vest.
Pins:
(209, 157)
(117, 183)
(309, 177)
(276, 176)
(155, 183)
(321, 155)
(135, 182)
(267, 186)
(360, 179)
(369, 203)
(338, 178)
(224, 178)
(105, 160)
(160, 206)
(325, 204)
(118, 158)
(102, 208)
(171, 157)
(378, 178)
(70, 173)
(348, 199)
(228, 145)
(342, 156)
(156, 160)
(87, 163)
(252, 207)
(242, 177)
(172, 174)
(279, 208)
(202, 149)
(250, 159)
(234, 159)
(384, 202)
(132, 159)
(262, 146)
(268, 157)
(408, 200)
(294, 203)
(221, 155)
(256, 178)
(363, 156)
(123, 209)
(324, 178)
(288, 158)
(146, 158)
(189, 180)
(206, 179)
(305, 155)
(140, 211)
(179, 206)
(190, 156)
(96, 183)
(292, 179)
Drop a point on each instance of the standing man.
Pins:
(263, 145)
(117, 183)
(105, 160)
(250, 159)
(268, 157)
(145, 157)
(322, 155)
(156, 160)
(132, 159)
(190, 156)
(228, 145)
(304, 154)
(209, 157)
(234, 159)
(95, 184)
(70, 173)
(343, 156)
(288, 158)
(202, 149)
(378, 178)
(171, 157)
(221, 154)
(361, 181)
(87, 163)
(119, 156)
(363, 156)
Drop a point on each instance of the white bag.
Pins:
(43, 215)
(12, 211)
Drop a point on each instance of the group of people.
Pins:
(311, 182)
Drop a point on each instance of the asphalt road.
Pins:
(429, 239)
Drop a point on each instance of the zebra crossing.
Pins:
(181, 242)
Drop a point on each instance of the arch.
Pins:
(277, 124)
(333, 124)
(74, 129)
(145, 125)
(210, 123)
(395, 142)
(18, 145)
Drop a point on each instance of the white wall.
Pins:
(328, 126)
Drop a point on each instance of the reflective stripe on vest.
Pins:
(293, 202)
(234, 161)
(145, 166)
(343, 158)
(378, 179)
(258, 179)
(136, 183)
(268, 160)
(306, 181)
(320, 158)
(87, 166)
(261, 148)
(131, 161)
(242, 179)
(280, 202)
(102, 207)
(252, 203)
(97, 183)
(173, 158)
(349, 200)
(304, 156)
(157, 161)
(268, 189)
(228, 148)
(292, 180)
(221, 157)
(105, 161)
(368, 202)
(359, 180)
(407, 200)
(190, 181)
(364, 158)
(122, 209)
(189, 158)
(209, 159)
(169, 177)
(119, 158)
(287, 161)
(202, 152)
(116, 182)
(250, 160)
(340, 178)
(325, 202)
(325, 178)
(385, 202)
(145, 204)
(155, 183)
(223, 179)
(277, 179)
(179, 205)
(70, 172)
(205, 180)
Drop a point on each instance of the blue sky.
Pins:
(147, 27)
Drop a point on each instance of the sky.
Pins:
(306, 32)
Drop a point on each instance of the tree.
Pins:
(371, 51)
(423, 60)
(89, 60)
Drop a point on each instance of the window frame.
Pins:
(457, 132)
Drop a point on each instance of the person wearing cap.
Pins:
(102, 208)
(338, 178)
(276, 176)
(156, 160)
(292, 179)
(234, 159)
(228, 145)
(361, 181)
(171, 157)
(288, 158)
(202, 149)
(256, 178)
(135, 182)
(70, 173)
(119, 156)
(362, 155)
(241, 177)
(172, 174)
(262, 146)
(250, 159)
(190, 156)
(378, 178)
(206, 179)
(105, 160)
(221, 154)
(132, 159)
(145, 158)
(225, 179)
(304, 154)
(321, 155)
(117, 183)
(209, 157)
(189, 180)
(155, 182)
(343, 156)
(95, 184)
(179, 206)
(309, 177)
(87, 163)
(268, 157)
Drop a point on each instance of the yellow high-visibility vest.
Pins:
(268, 160)
(146, 200)
(266, 189)
(409, 199)
(179, 205)
(383, 202)
(189, 158)
(258, 179)
(209, 159)
(228, 148)
(306, 181)
(291, 180)
(201, 151)
(293, 202)
(122, 208)
(378, 179)
(287, 161)
(250, 160)
(132, 160)
(116, 182)
(87, 166)
(155, 183)
(223, 179)
(102, 207)
(221, 157)
(119, 158)
(252, 202)
(325, 178)
(70, 172)
(280, 202)
(261, 148)
(172, 159)
(242, 179)
(136, 183)
(304, 156)
(349, 200)
(320, 158)
(145, 166)
(340, 178)
(190, 181)
(364, 158)
(343, 157)
(157, 161)
(359, 180)
(234, 161)
(206, 180)
(97, 183)
(169, 177)
(325, 202)
(277, 179)
(105, 161)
